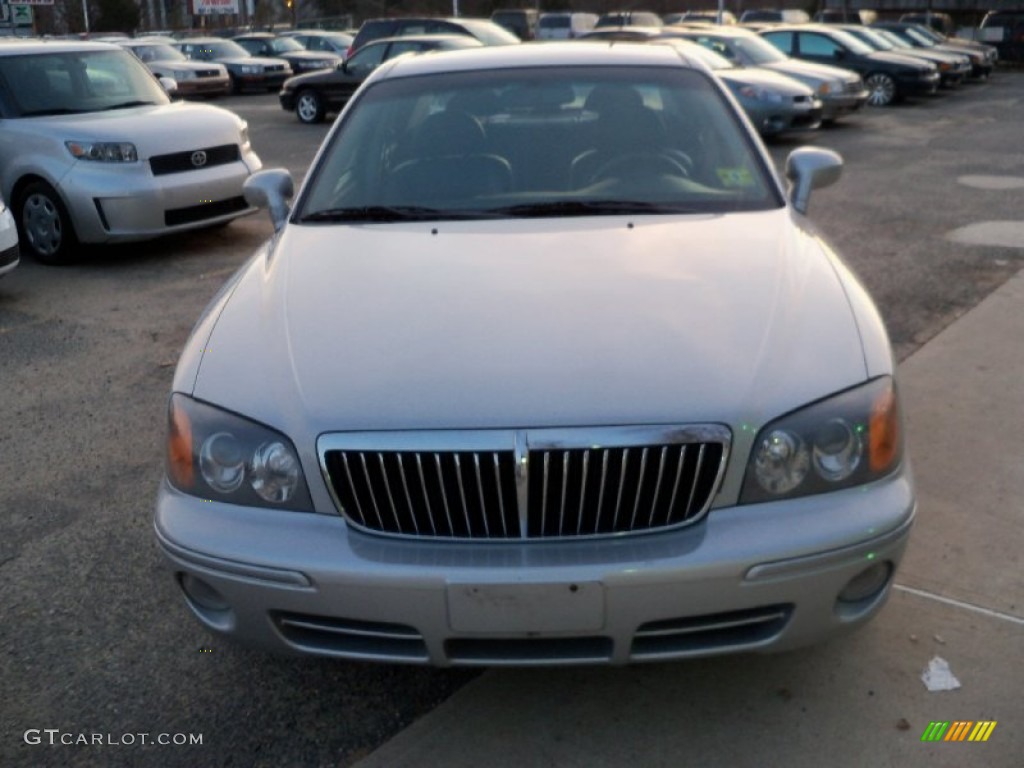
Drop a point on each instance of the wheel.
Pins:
(44, 225)
(637, 164)
(309, 107)
(881, 89)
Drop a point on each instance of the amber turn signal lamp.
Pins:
(884, 430)
(180, 468)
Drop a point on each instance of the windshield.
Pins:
(532, 142)
(851, 42)
(77, 82)
(158, 52)
(285, 45)
(218, 49)
(873, 38)
(758, 51)
(489, 33)
(894, 40)
(918, 37)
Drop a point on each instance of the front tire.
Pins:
(882, 89)
(309, 107)
(44, 225)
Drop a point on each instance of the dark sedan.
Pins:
(983, 57)
(954, 68)
(888, 76)
(247, 72)
(315, 95)
(292, 51)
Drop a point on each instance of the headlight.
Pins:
(217, 455)
(845, 440)
(827, 88)
(243, 134)
(321, 64)
(945, 66)
(183, 74)
(103, 151)
(251, 69)
(761, 93)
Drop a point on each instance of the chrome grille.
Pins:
(532, 484)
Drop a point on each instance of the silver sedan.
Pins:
(544, 366)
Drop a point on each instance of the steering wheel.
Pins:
(640, 164)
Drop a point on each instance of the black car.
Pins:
(314, 95)
(247, 72)
(329, 40)
(1005, 30)
(484, 30)
(301, 60)
(983, 57)
(888, 76)
(954, 68)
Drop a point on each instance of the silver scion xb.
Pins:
(544, 365)
(93, 151)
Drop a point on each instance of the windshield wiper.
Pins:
(589, 208)
(386, 213)
(50, 112)
(126, 104)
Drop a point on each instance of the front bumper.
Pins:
(753, 578)
(926, 85)
(10, 253)
(124, 202)
(206, 86)
(837, 105)
(772, 120)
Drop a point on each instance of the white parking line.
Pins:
(960, 604)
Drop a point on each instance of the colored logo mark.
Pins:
(959, 730)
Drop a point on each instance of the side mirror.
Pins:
(170, 85)
(341, 66)
(271, 189)
(810, 168)
(839, 54)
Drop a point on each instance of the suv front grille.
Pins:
(534, 484)
(178, 162)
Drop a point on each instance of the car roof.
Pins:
(424, 38)
(54, 46)
(567, 54)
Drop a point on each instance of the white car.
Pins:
(9, 252)
(544, 366)
(93, 151)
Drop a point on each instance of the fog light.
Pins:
(868, 583)
(202, 594)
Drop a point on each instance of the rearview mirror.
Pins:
(810, 168)
(271, 189)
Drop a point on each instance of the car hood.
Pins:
(763, 77)
(529, 323)
(808, 69)
(190, 65)
(898, 58)
(154, 130)
(263, 61)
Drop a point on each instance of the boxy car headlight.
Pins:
(848, 439)
(103, 151)
(217, 455)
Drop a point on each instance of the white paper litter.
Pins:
(939, 677)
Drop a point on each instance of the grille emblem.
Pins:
(198, 159)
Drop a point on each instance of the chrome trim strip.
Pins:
(520, 455)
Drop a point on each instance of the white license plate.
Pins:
(514, 608)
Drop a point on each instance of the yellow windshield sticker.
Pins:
(735, 177)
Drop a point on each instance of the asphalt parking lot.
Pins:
(96, 641)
